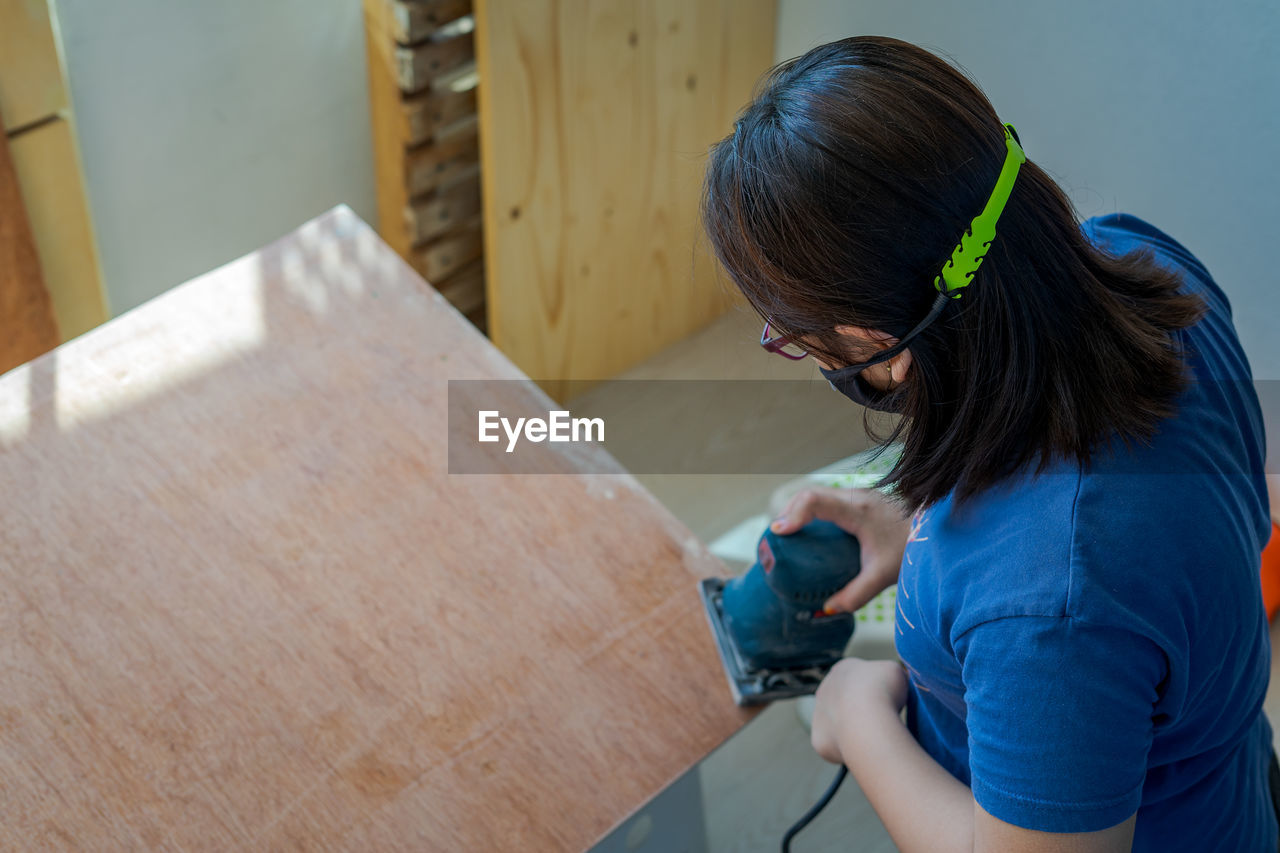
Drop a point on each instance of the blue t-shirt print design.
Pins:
(1084, 644)
(902, 623)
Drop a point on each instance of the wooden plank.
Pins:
(425, 140)
(432, 111)
(438, 260)
(48, 168)
(440, 162)
(26, 316)
(465, 288)
(596, 118)
(416, 20)
(388, 123)
(248, 608)
(31, 85)
(420, 64)
(445, 209)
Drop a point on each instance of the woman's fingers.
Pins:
(880, 526)
(839, 506)
(844, 507)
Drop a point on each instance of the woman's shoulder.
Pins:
(1122, 233)
(1028, 511)
(1085, 542)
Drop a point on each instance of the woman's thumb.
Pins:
(855, 594)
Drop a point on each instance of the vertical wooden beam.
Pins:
(48, 169)
(422, 85)
(31, 84)
(27, 328)
(46, 165)
(390, 129)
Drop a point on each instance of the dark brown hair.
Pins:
(842, 191)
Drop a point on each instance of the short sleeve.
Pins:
(1059, 714)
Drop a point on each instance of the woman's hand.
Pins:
(854, 692)
(879, 523)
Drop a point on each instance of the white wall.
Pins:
(1167, 109)
(210, 128)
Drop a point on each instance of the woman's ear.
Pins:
(899, 365)
(876, 340)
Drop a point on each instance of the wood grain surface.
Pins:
(244, 606)
(595, 120)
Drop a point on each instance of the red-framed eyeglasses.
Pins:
(781, 345)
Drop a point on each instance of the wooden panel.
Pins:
(31, 86)
(26, 316)
(247, 608)
(595, 120)
(49, 173)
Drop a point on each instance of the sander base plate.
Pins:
(752, 686)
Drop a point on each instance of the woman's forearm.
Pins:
(924, 808)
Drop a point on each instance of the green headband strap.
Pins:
(967, 256)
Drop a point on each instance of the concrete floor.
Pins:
(761, 780)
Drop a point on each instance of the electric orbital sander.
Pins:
(774, 639)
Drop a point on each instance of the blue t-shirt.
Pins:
(1089, 643)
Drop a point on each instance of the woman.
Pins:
(1080, 504)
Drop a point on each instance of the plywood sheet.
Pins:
(247, 607)
(595, 119)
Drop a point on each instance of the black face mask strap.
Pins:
(939, 303)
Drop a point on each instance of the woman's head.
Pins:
(834, 204)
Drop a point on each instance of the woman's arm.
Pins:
(857, 720)
(923, 807)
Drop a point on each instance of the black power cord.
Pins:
(813, 812)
